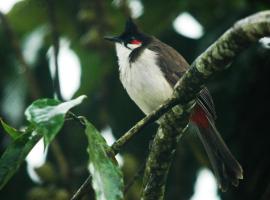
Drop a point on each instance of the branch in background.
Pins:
(138, 175)
(125, 8)
(61, 160)
(55, 41)
(29, 77)
(217, 57)
(99, 6)
(56, 148)
(266, 193)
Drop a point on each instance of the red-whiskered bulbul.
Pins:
(149, 69)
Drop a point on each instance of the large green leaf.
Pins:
(107, 178)
(15, 154)
(48, 115)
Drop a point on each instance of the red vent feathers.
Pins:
(199, 117)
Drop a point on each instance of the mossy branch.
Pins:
(172, 125)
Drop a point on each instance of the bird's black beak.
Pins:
(113, 39)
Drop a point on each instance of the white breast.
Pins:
(143, 80)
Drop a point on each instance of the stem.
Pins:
(85, 187)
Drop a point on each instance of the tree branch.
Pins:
(217, 57)
(55, 41)
(15, 44)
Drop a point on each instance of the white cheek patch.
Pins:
(133, 46)
(122, 51)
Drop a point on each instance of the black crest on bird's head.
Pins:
(132, 32)
(130, 35)
(133, 39)
(131, 27)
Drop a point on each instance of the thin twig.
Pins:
(71, 115)
(84, 188)
(152, 117)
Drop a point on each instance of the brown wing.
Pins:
(173, 65)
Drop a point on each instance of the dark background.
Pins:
(241, 93)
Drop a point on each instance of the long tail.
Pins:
(225, 166)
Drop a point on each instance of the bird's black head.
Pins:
(130, 36)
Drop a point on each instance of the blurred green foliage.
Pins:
(241, 94)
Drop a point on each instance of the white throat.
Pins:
(143, 79)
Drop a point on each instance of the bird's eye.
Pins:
(134, 41)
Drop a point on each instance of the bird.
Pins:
(149, 70)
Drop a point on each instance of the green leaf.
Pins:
(48, 115)
(14, 133)
(15, 154)
(107, 178)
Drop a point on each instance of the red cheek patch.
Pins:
(135, 42)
